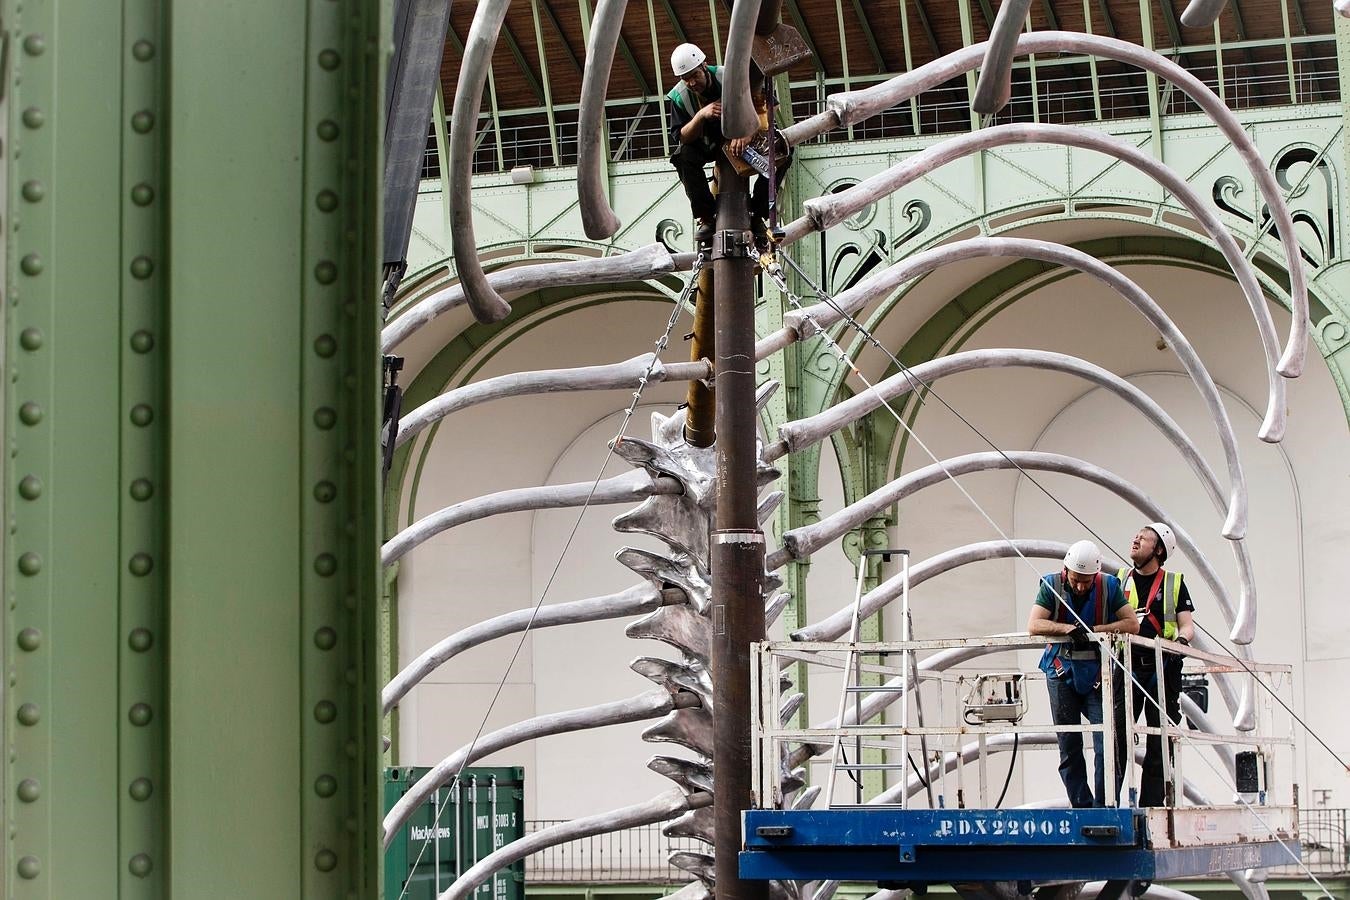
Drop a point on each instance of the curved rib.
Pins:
(638, 599)
(739, 119)
(852, 107)
(641, 264)
(1202, 13)
(802, 542)
(627, 374)
(597, 216)
(625, 488)
(829, 628)
(805, 432)
(658, 809)
(647, 705)
(487, 304)
(826, 211)
(994, 88)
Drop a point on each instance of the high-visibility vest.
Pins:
(687, 100)
(1170, 584)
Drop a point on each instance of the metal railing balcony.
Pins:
(1060, 90)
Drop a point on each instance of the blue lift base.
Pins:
(921, 846)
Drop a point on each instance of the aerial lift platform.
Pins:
(958, 836)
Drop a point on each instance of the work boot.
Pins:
(703, 232)
(761, 233)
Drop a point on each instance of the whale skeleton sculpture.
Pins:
(675, 482)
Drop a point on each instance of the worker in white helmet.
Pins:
(1163, 605)
(696, 129)
(1070, 603)
(696, 134)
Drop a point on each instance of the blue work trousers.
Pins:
(1068, 707)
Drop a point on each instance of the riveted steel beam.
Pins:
(870, 36)
(531, 81)
(675, 23)
(68, 280)
(278, 480)
(1170, 20)
(1048, 7)
(795, 11)
(1109, 22)
(553, 22)
(119, 587)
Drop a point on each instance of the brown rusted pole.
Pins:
(737, 550)
(699, 424)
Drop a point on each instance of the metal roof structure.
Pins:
(1278, 51)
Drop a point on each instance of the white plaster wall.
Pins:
(486, 568)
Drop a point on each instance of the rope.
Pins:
(776, 274)
(661, 344)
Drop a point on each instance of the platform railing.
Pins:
(951, 759)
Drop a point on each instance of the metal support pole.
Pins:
(738, 544)
(699, 423)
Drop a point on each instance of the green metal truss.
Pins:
(191, 414)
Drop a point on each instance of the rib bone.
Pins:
(597, 216)
(852, 107)
(829, 210)
(658, 809)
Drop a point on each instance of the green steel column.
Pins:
(1155, 111)
(1343, 73)
(272, 125)
(140, 636)
(77, 710)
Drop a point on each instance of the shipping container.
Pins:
(457, 826)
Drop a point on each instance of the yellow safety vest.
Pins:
(1171, 589)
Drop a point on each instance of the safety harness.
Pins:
(1098, 593)
(688, 102)
(1170, 584)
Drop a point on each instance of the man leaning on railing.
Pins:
(1164, 607)
(1069, 603)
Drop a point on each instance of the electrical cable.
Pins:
(922, 780)
(661, 344)
(1011, 763)
(775, 272)
(920, 387)
(851, 773)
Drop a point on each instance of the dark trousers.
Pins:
(690, 160)
(1152, 790)
(1068, 707)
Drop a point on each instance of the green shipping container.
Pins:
(455, 828)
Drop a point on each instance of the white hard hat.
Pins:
(1164, 533)
(1083, 558)
(685, 59)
